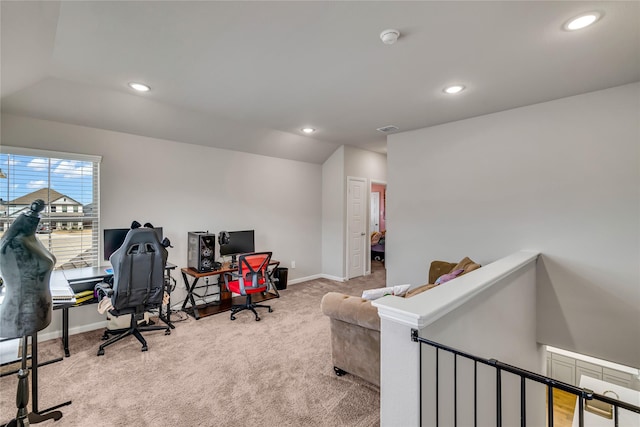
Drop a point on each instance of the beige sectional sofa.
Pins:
(355, 325)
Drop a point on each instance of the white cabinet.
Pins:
(616, 377)
(588, 370)
(563, 368)
(569, 370)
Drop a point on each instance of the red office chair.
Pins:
(251, 278)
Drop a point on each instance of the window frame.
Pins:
(88, 254)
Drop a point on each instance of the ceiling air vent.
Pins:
(387, 129)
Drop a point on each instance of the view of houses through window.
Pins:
(68, 183)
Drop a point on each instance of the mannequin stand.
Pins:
(23, 418)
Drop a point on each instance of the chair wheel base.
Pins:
(101, 352)
(233, 317)
(339, 372)
(144, 348)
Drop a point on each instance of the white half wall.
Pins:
(486, 313)
(184, 187)
(561, 178)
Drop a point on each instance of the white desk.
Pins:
(626, 418)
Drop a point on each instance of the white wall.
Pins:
(561, 178)
(184, 187)
(344, 162)
(365, 164)
(333, 208)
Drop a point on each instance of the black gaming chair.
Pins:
(138, 283)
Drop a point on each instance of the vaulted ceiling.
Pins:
(248, 76)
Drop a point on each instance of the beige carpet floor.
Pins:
(212, 372)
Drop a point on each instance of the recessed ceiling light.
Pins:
(453, 89)
(139, 87)
(582, 21)
(308, 130)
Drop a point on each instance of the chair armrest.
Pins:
(351, 309)
(102, 290)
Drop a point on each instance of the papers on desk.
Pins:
(9, 350)
(61, 292)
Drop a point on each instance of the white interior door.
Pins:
(375, 212)
(357, 226)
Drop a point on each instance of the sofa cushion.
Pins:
(467, 265)
(419, 290)
(350, 309)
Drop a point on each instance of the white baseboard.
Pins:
(316, 276)
(334, 278)
(72, 331)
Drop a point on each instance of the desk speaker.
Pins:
(201, 251)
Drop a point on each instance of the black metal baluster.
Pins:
(615, 415)
(550, 405)
(455, 390)
(523, 403)
(415, 337)
(475, 393)
(437, 387)
(498, 397)
(580, 411)
(420, 373)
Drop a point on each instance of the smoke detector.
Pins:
(389, 36)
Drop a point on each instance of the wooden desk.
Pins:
(225, 301)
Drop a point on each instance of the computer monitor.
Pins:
(114, 238)
(240, 242)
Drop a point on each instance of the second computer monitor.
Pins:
(240, 242)
(114, 238)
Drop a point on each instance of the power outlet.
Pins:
(293, 264)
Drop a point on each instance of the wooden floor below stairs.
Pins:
(563, 406)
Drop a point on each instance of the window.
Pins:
(69, 185)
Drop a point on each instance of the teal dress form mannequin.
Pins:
(25, 267)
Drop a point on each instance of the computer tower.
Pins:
(201, 251)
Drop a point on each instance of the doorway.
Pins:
(357, 196)
(378, 226)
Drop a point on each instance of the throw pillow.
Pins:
(372, 294)
(467, 265)
(398, 290)
(446, 277)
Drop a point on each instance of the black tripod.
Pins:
(23, 418)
